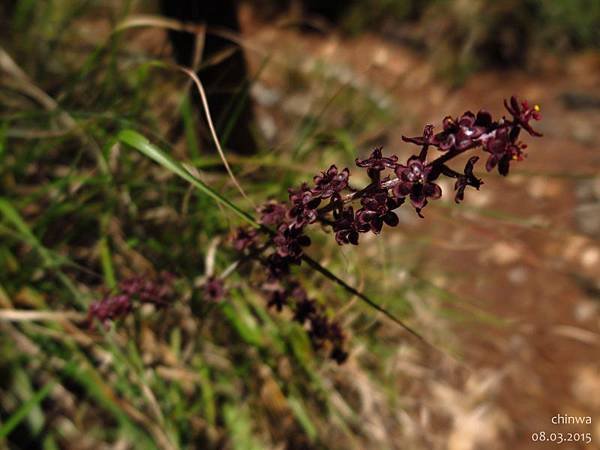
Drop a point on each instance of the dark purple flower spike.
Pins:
(328, 202)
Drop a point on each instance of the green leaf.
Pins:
(22, 412)
(140, 143)
(297, 406)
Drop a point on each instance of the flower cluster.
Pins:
(324, 333)
(331, 202)
(130, 293)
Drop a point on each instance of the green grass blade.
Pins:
(13, 216)
(22, 412)
(303, 417)
(3, 139)
(106, 263)
(189, 126)
(50, 261)
(140, 143)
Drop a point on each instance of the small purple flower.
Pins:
(324, 331)
(377, 209)
(110, 308)
(319, 329)
(425, 139)
(471, 127)
(344, 226)
(245, 238)
(305, 309)
(130, 292)
(304, 196)
(338, 354)
(331, 182)
(414, 183)
(304, 206)
(289, 242)
(503, 149)
(278, 266)
(376, 163)
(462, 133)
(277, 298)
(272, 213)
(522, 114)
(214, 289)
(467, 179)
(149, 290)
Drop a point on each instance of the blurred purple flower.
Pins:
(304, 206)
(522, 114)
(425, 139)
(130, 292)
(213, 289)
(289, 242)
(278, 298)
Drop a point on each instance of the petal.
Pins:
(515, 104)
(504, 166)
(470, 164)
(418, 140)
(404, 188)
(491, 163)
(467, 119)
(397, 193)
(376, 225)
(391, 219)
(432, 190)
(448, 123)
(448, 142)
(418, 199)
(483, 119)
(304, 241)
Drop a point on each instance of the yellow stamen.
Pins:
(537, 108)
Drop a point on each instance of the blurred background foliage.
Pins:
(463, 36)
